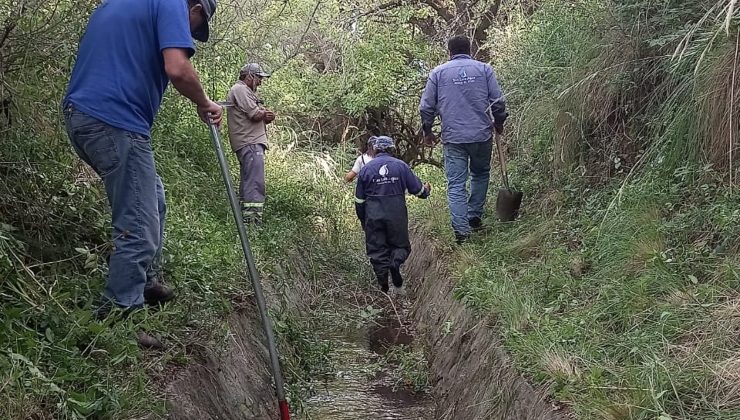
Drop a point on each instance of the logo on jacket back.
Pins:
(462, 77)
(383, 171)
(384, 179)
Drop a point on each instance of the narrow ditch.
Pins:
(470, 375)
(364, 387)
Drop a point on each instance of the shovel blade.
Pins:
(507, 204)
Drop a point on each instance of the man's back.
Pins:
(119, 75)
(460, 92)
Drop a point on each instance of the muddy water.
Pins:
(359, 390)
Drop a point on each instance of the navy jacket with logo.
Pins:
(382, 186)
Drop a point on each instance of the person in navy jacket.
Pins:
(380, 204)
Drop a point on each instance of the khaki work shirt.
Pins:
(243, 130)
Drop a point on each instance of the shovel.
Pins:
(508, 200)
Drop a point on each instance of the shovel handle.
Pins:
(502, 161)
(500, 149)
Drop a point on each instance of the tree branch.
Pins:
(382, 8)
(486, 21)
(303, 36)
(441, 9)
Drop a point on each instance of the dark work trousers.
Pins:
(252, 178)
(386, 234)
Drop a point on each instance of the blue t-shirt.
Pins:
(119, 75)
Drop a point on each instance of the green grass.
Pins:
(612, 296)
(618, 287)
(410, 368)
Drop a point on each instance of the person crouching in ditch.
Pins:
(380, 204)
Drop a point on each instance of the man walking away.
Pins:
(247, 120)
(380, 203)
(130, 51)
(461, 91)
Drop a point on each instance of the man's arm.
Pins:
(176, 45)
(496, 100)
(246, 103)
(428, 104)
(181, 73)
(356, 168)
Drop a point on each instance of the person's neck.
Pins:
(460, 55)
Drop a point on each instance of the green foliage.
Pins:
(59, 362)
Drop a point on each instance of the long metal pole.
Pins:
(254, 276)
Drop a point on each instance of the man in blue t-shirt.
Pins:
(380, 203)
(130, 51)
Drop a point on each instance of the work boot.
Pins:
(475, 223)
(157, 294)
(396, 276)
(383, 282)
(107, 307)
(461, 238)
(399, 291)
(252, 219)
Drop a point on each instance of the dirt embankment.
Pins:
(474, 375)
(231, 382)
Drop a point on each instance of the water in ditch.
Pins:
(359, 390)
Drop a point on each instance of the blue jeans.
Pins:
(125, 162)
(461, 159)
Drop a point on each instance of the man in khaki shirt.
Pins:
(247, 120)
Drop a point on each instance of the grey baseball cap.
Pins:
(209, 9)
(254, 68)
